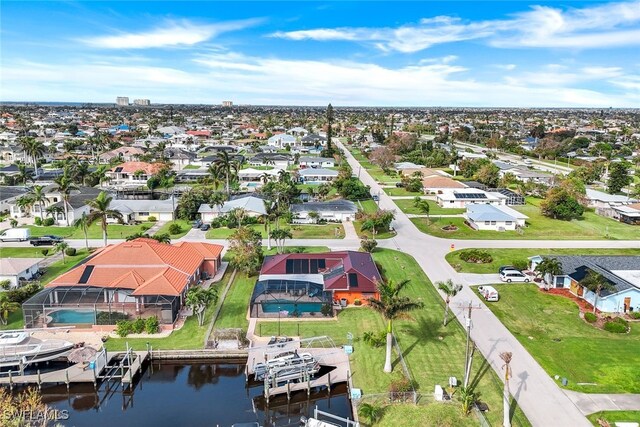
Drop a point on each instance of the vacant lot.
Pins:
(114, 231)
(548, 326)
(432, 351)
(591, 227)
(299, 231)
(508, 256)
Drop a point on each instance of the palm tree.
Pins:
(238, 214)
(25, 203)
(596, 283)
(82, 172)
(225, 166)
(271, 215)
(314, 216)
(450, 290)
(392, 306)
(24, 174)
(100, 211)
(506, 357)
(548, 267)
(38, 196)
(64, 185)
(279, 236)
(198, 299)
(83, 223)
(372, 413)
(6, 308)
(61, 247)
(217, 199)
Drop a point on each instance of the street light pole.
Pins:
(278, 320)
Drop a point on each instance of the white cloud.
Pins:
(261, 80)
(609, 25)
(506, 67)
(169, 35)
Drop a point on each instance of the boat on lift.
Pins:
(19, 348)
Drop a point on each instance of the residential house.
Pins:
(54, 204)
(9, 195)
(608, 205)
(317, 176)
(495, 218)
(317, 162)
(133, 173)
(462, 198)
(333, 211)
(255, 175)
(622, 272)
(123, 154)
(438, 184)
(16, 270)
(139, 278)
(141, 210)
(629, 214)
(297, 131)
(300, 284)
(252, 206)
(179, 158)
(282, 140)
(313, 139)
(277, 160)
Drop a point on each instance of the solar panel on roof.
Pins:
(470, 196)
(86, 274)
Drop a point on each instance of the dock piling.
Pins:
(39, 381)
(66, 378)
(10, 381)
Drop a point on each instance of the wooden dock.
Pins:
(106, 367)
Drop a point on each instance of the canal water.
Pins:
(190, 394)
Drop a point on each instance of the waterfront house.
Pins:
(317, 175)
(142, 210)
(252, 206)
(317, 162)
(133, 173)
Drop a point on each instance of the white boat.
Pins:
(20, 348)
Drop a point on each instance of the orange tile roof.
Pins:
(132, 167)
(436, 181)
(143, 265)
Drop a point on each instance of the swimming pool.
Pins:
(290, 306)
(72, 317)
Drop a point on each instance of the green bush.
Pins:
(476, 256)
(48, 222)
(621, 321)
(375, 339)
(615, 327)
(137, 326)
(152, 218)
(45, 252)
(357, 302)
(635, 315)
(368, 245)
(37, 220)
(174, 228)
(520, 264)
(5, 284)
(123, 328)
(145, 227)
(152, 325)
(590, 317)
(23, 293)
(326, 310)
(106, 318)
(70, 251)
(400, 385)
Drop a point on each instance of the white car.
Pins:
(514, 276)
(489, 293)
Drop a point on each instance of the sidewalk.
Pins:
(349, 230)
(154, 229)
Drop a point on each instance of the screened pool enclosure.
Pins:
(83, 306)
(288, 298)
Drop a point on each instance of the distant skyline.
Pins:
(450, 54)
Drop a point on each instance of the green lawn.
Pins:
(401, 192)
(114, 231)
(508, 256)
(376, 172)
(236, 304)
(548, 326)
(591, 227)
(185, 225)
(406, 206)
(188, 167)
(33, 252)
(432, 351)
(299, 231)
(613, 416)
(368, 206)
(16, 321)
(368, 234)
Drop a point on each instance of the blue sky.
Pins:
(462, 53)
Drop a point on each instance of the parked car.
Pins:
(45, 240)
(399, 184)
(17, 234)
(196, 224)
(514, 276)
(205, 227)
(506, 267)
(489, 293)
(375, 197)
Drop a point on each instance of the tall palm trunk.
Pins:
(446, 312)
(506, 421)
(268, 222)
(41, 210)
(66, 209)
(104, 229)
(387, 361)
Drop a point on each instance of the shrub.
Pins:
(357, 302)
(123, 328)
(400, 385)
(5, 284)
(368, 245)
(37, 220)
(175, 228)
(476, 256)
(70, 251)
(635, 315)
(326, 310)
(137, 326)
(106, 318)
(615, 327)
(152, 325)
(621, 321)
(48, 222)
(45, 252)
(152, 218)
(23, 293)
(145, 227)
(590, 317)
(520, 264)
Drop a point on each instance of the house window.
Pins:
(353, 280)
(508, 222)
(493, 223)
(487, 222)
(143, 213)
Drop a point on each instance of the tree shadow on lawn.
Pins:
(523, 376)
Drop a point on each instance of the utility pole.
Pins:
(470, 347)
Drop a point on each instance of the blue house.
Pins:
(623, 272)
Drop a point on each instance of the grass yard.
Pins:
(368, 206)
(406, 206)
(236, 304)
(368, 234)
(591, 227)
(184, 225)
(613, 416)
(299, 231)
(432, 351)
(376, 172)
(31, 252)
(114, 231)
(16, 321)
(395, 191)
(548, 326)
(508, 256)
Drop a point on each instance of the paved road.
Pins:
(542, 401)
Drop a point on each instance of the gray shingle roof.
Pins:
(577, 268)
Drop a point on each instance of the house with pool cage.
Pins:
(137, 279)
(299, 285)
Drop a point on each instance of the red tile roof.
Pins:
(360, 263)
(132, 167)
(143, 265)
